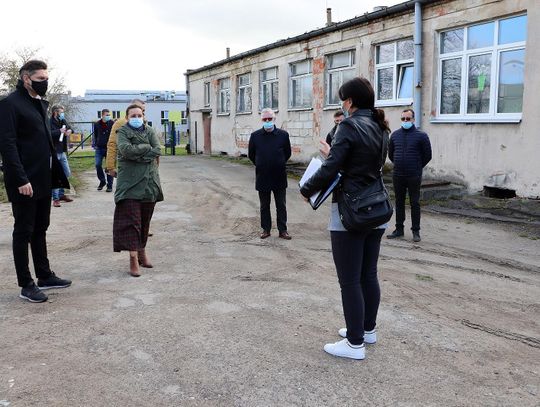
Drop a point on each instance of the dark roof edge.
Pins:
(387, 11)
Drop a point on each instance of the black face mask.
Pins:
(40, 87)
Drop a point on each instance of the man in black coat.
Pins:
(102, 131)
(31, 170)
(269, 150)
(410, 150)
(60, 131)
(338, 118)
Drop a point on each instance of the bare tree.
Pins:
(57, 93)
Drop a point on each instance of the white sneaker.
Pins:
(345, 350)
(369, 336)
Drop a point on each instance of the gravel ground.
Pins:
(225, 319)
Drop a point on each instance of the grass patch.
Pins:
(80, 162)
(423, 277)
(3, 194)
(178, 150)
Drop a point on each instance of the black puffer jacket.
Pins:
(356, 153)
(410, 151)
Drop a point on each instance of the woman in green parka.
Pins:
(138, 188)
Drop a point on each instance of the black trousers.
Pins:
(281, 209)
(32, 218)
(401, 186)
(356, 256)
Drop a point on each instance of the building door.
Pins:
(207, 120)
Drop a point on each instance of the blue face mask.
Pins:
(268, 125)
(60, 116)
(136, 122)
(345, 112)
(406, 125)
(106, 118)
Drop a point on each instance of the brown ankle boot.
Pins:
(143, 259)
(134, 266)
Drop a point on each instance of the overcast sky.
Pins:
(149, 44)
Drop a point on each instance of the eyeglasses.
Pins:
(267, 119)
(407, 119)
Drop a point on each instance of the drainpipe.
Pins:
(188, 106)
(417, 101)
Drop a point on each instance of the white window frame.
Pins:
(243, 89)
(164, 115)
(293, 78)
(206, 94)
(339, 72)
(494, 51)
(224, 93)
(268, 83)
(396, 66)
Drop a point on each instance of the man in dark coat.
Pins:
(269, 150)
(60, 131)
(102, 131)
(338, 118)
(31, 170)
(410, 150)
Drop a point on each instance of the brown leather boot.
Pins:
(134, 265)
(143, 259)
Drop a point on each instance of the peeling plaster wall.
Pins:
(496, 154)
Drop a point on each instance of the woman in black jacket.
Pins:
(358, 152)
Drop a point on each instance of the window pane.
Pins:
(405, 49)
(300, 68)
(274, 95)
(306, 91)
(406, 84)
(480, 36)
(511, 68)
(265, 96)
(452, 41)
(385, 83)
(333, 87)
(385, 53)
(451, 86)
(347, 75)
(269, 74)
(339, 60)
(479, 84)
(513, 30)
(243, 80)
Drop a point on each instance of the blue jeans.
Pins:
(57, 193)
(101, 153)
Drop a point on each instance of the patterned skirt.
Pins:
(131, 224)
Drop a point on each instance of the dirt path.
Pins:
(225, 319)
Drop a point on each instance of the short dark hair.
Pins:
(132, 106)
(105, 111)
(360, 91)
(30, 67)
(409, 110)
(339, 113)
(363, 97)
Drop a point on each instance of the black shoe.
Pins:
(53, 282)
(395, 233)
(109, 189)
(33, 294)
(416, 236)
(101, 185)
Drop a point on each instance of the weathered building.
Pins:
(465, 66)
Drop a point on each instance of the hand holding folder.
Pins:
(319, 197)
